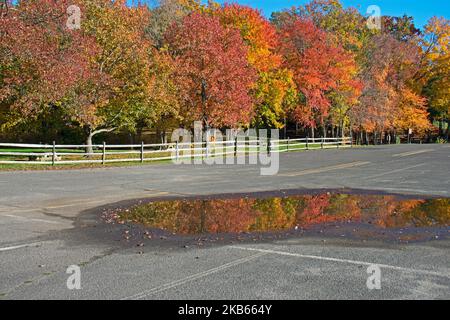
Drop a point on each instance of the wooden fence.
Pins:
(15, 153)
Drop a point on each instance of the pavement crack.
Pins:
(55, 215)
(48, 274)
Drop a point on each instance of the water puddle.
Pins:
(366, 217)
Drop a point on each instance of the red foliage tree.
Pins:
(318, 66)
(41, 58)
(213, 75)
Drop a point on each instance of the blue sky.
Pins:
(421, 10)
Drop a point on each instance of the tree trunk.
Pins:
(312, 132)
(448, 130)
(203, 215)
(131, 140)
(139, 132)
(89, 135)
(89, 148)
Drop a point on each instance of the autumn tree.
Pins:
(345, 29)
(165, 13)
(162, 108)
(41, 59)
(388, 101)
(401, 28)
(100, 73)
(319, 67)
(275, 97)
(259, 35)
(435, 69)
(345, 26)
(274, 91)
(123, 60)
(212, 73)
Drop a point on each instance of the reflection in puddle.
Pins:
(300, 212)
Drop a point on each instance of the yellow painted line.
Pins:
(102, 200)
(395, 171)
(72, 205)
(13, 210)
(326, 169)
(75, 203)
(162, 193)
(411, 153)
(25, 219)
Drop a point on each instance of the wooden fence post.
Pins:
(321, 144)
(142, 152)
(104, 153)
(307, 143)
(177, 151)
(288, 144)
(54, 153)
(235, 147)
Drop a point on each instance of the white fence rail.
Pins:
(16, 153)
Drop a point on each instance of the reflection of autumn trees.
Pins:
(259, 215)
(327, 208)
(274, 214)
(411, 213)
(199, 216)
